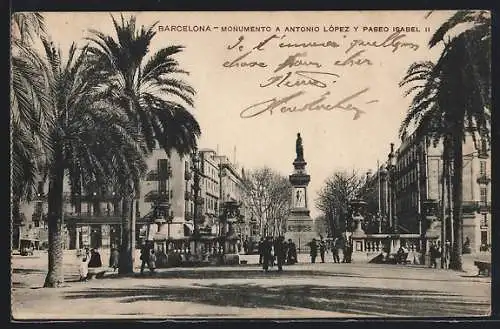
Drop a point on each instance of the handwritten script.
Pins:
(313, 75)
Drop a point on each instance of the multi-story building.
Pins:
(413, 174)
(95, 219)
(210, 190)
(233, 190)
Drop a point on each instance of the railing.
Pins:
(483, 179)
(378, 243)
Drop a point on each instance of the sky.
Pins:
(332, 140)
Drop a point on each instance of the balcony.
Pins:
(469, 207)
(483, 207)
(483, 179)
(153, 196)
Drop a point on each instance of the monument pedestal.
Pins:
(300, 226)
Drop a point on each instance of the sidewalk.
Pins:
(302, 290)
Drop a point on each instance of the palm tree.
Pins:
(155, 99)
(454, 100)
(91, 141)
(29, 108)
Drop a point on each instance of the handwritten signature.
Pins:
(305, 78)
(282, 105)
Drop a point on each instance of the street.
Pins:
(302, 290)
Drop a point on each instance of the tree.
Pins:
(334, 197)
(454, 99)
(155, 100)
(268, 195)
(29, 108)
(89, 138)
(29, 105)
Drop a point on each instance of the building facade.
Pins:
(413, 174)
(95, 219)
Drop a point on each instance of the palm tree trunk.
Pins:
(443, 203)
(16, 223)
(55, 275)
(125, 263)
(450, 204)
(456, 254)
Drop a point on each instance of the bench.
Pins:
(484, 267)
(98, 272)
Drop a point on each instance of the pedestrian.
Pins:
(280, 250)
(238, 245)
(439, 250)
(114, 259)
(432, 254)
(335, 250)
(292, 252)
(322, 249)
(347, 252)
(260, 248)
(144, 257)
(95, 259)
(94, 262)
(313, 247)
(447, 252)
(266, 252)
(152, 261)
(245, 246)
(84, 268)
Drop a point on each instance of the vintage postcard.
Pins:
(331, 164)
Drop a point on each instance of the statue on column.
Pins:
(299, 148)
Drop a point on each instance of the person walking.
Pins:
(292, 252)
(313, 247)
(267, 253)
(260, 248)
(114, 258)
(347, 252)
(144, 257)
(84, 268)
(280, 250)
(322, 249)
(152, 261)
(335, 250)
(432, 254)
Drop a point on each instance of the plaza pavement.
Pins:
(301, 291)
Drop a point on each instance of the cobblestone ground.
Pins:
(302, 290)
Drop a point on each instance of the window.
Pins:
(484, 195)
(484, 220)
(484, 237)
(482, 168)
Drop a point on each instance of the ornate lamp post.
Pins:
(429, 210)
(391, 169)
(195, 159)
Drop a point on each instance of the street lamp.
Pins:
(391, 169)
(195, 159)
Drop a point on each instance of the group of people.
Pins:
(279, 251)
(276, 251)
(335, 246)
(436, 253)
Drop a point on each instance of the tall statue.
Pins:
(299, 148)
